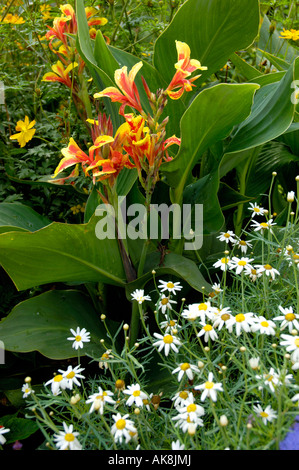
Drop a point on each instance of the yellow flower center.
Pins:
(264, 414)
(168, 339)
(208, 327)
(209, 385)
(226, 235)
(240, 317)
(269, 378)
(58, 378)
(297, 342)
(170, 285)
(191, 407)
(202, 306)
(290, 317)
(164, 301)
(172, 323)
(256, 209)
(71, 375)
(183, 395)
(268, 267)
(136, 393)
(242, 262)
(78, 338)
(264, 225)
(69, 437)
(185, 366)
(225, 317)
(242, 242)
(224, 260)
(264, 323)
(119, 384)
(105, 356)
(120, 424)
(253, 271)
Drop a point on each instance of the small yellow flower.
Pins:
(25, 130)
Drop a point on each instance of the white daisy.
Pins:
(241, 321)
(217, 288)
(227, 237)
(190, 409)
(263, 326)
(80, 337)
(3, 430)
(123, 428)
(136, 395)
(292, 345)
(267, 269)
(27, 390)
(59, 382)
(138, 295)
(165, 303)
(176, 445)
(240, 264)
(209, 388)
(185, 368)
(99, 399)
(252, 273)
(222, 263)
(72, 375)
(267, 415)
(186, 424)
(288, 319)
(274, 379)
(190, 313)
(170, 326)
(105, 358)
(203, 308)
(67, 439)
(169, 286)
(243, 245)
(208, 332)
(180, 398)
(220, 316)
(166, 342)
(263, 226)
(256, 210)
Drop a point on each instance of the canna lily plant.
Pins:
(168, 133)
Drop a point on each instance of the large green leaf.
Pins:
(19, 215)
(43, 323)
(60, 253)
(213, 29)
(210, 118)
(272, 113)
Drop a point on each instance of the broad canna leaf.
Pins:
(42, 323)
(19, 215)
(60, 253)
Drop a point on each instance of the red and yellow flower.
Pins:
(60, 74)
(185, 66)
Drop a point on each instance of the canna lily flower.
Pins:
(92, 20)
(185, 66)
(128, 95)
(60, 74)
(25, 131)
(58, 31)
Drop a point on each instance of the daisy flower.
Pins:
(292, 345)
(176, 445)
(209, 388)
(261, 227)
(267, 269)
(72, 375)
(273, 379)
(227, 237)
(185, 368)
(27, 390)
(67, 439)
(190, 313)
(288, 319)
(166, 342)
(208, 332)
(123, 428)
(136, 395)
(241, 321)
(191, 410)
(80, 337)
(105, 358)
(222, 263)
(59, 382)
(267, 415)
(3, 430)
(138, 295)
(169, 286)
(220, 316)
(252, 273)
(99, 399)
(180, 398)
(263, 326)
(243, 245)
(170, 326)
(217, 288)
(186, 424)
(203, 308)
(165, 303)
(240, 264)
(255, 209)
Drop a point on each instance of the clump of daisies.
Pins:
(216, 372)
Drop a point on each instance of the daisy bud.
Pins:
(292, 213)
(75, 399)
(126, 327)
(223, 368)
(290, 196)
(297, 178)
(103, 317)
(274, 345)
(183, 299)
(254, 363)
(226, 252)
(102, 340)
(242, 349)
(294, 332)
(174, 331)
(153, 271)
(27, 380)
(137, 411)
(274, 173)
(249, 426)
(287, 356)
(200, 364)
(191, 429)
(207, 349)
(127, 338)
(120, 384)
(136, 345)
(223, 420)
(289, 248)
